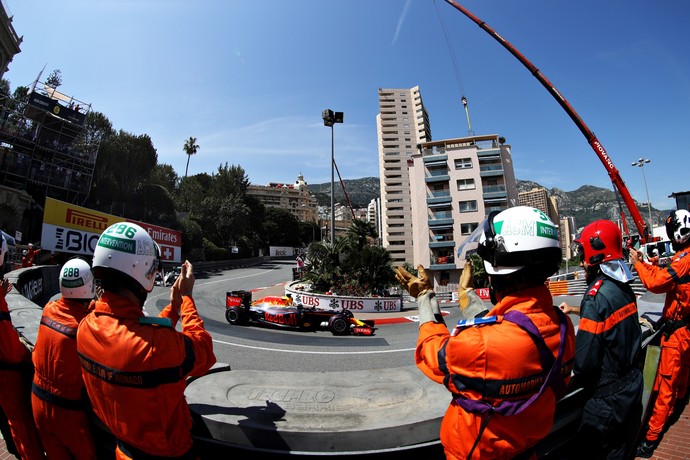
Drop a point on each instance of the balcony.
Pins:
(491, 170)
(436, 160)
(492, 192)
(441, 244)
(442, 263)
(439, 197)
(437, 176)
(440, 219)
(489, 153)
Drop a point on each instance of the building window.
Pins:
(468, 206)
(466, 229)
(466, 184)
(463, 163)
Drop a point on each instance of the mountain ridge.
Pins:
(586, 203)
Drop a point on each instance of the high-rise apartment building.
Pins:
(567, 231)
(539, 198)
(374, 216)
(455, 184)
(402, 124)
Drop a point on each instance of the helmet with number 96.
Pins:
(129, 249)
(76, 280)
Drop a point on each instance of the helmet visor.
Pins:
(470, 245)
(156, 264)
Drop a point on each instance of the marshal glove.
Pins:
(420, 288)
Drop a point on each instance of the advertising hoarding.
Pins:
(74, 229)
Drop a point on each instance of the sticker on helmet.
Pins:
(524, 227)
(547, 231)
(72, 283)
(117, 244)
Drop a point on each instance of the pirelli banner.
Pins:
(73, 229)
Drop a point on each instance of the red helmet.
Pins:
(601, 241)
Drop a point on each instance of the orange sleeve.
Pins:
(432, 338)
(654, 278)
(193, 327)
(12, 351)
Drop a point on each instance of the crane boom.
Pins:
(598, 148)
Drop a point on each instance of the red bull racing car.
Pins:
(284, 313)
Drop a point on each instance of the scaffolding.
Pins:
(43, 146)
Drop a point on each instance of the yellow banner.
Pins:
(71, 216)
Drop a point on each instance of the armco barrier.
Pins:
(336, 302)
(32, 289)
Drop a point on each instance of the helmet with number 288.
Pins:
(129, 249)
(76, 280)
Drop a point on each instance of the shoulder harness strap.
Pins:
(553, 378)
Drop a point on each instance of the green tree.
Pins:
(124, 163)
(323, 267)
(282, 228)
(54, 80)
(165, 176)
(353, 266)
(190, 148)
(192, 190)
(225, 213)
(481, 279)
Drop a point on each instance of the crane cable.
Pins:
(342, 184)
(456, 68)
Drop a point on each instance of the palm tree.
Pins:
(190, 148)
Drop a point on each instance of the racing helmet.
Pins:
(76, 280)
(600, 241)
(129, 249)
(678, 226)
(516, 238)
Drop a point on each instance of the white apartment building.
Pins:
(402, 124)
(295, 198)
(455, 184)
(374, 216)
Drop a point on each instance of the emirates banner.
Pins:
(74, 229)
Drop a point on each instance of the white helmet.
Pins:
(678, 226)
(76, 280)
(129, 249)
(518, 237)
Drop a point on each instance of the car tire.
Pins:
(235, 315)
(339, 325)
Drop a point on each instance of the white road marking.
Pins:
(314, 352)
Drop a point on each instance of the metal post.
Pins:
(640, 163)
(329, 119)
(332, 189)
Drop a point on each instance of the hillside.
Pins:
(360, 191)
(586, 204)
(589, 203)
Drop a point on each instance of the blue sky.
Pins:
(249, 79)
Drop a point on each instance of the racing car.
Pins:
(284, 313)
